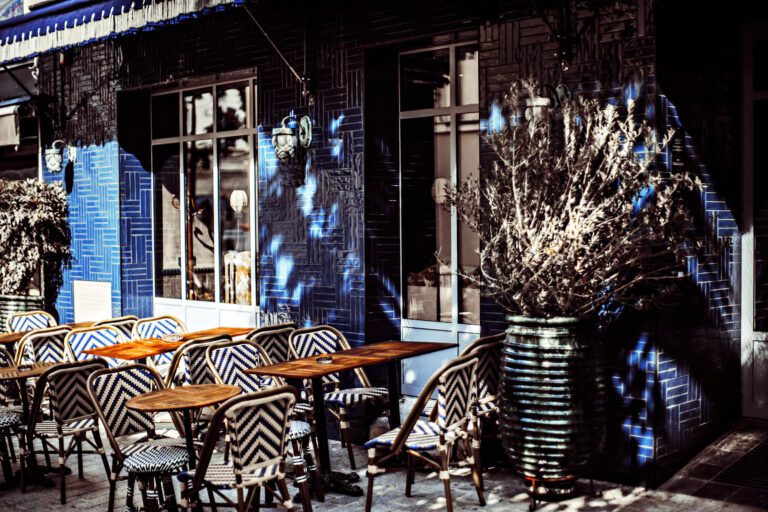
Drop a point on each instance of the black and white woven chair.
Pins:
(157, 327)
(29, 321)
(8, 422)
(456, 400)
(274, 340)
(324, 339)
(44, 346)
(73, 415)
(189, 365)
(80, 340)
(152, 457)
(228, 362)
(9, 391)
(258, 426)
(123, 323)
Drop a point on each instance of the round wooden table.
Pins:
(184, 399)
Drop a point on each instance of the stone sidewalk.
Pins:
(504, 492)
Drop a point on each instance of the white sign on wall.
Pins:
(93, 300)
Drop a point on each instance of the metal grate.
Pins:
(750, 470)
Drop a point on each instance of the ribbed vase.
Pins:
(553, 396)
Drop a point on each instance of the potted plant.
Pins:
(35, 236)
(577, 216)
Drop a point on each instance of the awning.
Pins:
(71, 23)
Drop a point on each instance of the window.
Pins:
(204, 143)
(439, 146)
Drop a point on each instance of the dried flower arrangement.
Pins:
(578, 212)
(34, 233)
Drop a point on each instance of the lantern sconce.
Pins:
(291, 133)
(54, 155)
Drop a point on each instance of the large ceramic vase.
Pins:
(10, 304)
(553, 395)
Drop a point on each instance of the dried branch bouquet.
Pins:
(577, 213)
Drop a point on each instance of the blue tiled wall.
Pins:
(93, 195)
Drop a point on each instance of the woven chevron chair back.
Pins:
(124, 324)
(228, 362)
(93, 337)
(68, 390)
(323, 339)
(258, 429)
(44, 346)
(457, 394)
(274, 340)
(5, 360)
(110, 390)
(30, 320)
(189, 365)
(488, 352)
(157, 327)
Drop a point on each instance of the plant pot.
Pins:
(553, 396)
(10, 304)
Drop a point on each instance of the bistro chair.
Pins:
(93, 337)
(30, 320)
(456, 399)
(8, 391)
(324, 339)
(44, 346)
(123, 323)
(148, 459)
(258, 426)
(8, 422)
(157, 327)
(189, 366)
(73, 416)
(274, 340)
(228, 362)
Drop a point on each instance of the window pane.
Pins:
(425, 172)
(425, 80)
(198, 180)
(468, 155)
(466, 75)
(167, 220)
(198, 112)
(165, 116)
(234, 207)
(232, 113)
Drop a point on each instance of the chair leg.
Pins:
(445, 476)
(212, 499)
(410, 475)
(5, 442)
(309, 458)
(11, 449)
(226, 448)
(477, 470)
(62, 471)
(371, 476)
(129, 493)
(286, 497)
(240, 500)
(344, 433)
(300, 474)
(149, 493)
(23, 450)
(169, 494)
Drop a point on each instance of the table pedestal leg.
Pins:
(332, 481)
(187, 416)
(33, 474)
(393, 384)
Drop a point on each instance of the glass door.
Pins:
(754, 276)
(439, 146)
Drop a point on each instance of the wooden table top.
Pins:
(375, 353)
(13, 337)
(232, 331)
(135, 349)
(183, 397)
(26, 372)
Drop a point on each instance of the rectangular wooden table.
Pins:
(135, 350)
(231, 331)
(387, 352)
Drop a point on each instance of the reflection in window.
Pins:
(198, 112)
(234, 208)
(425, 80)
(468, 159)
(198, 182)
(167, 220)
(467, 90)
(232, 109)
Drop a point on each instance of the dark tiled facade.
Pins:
(330, 249)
